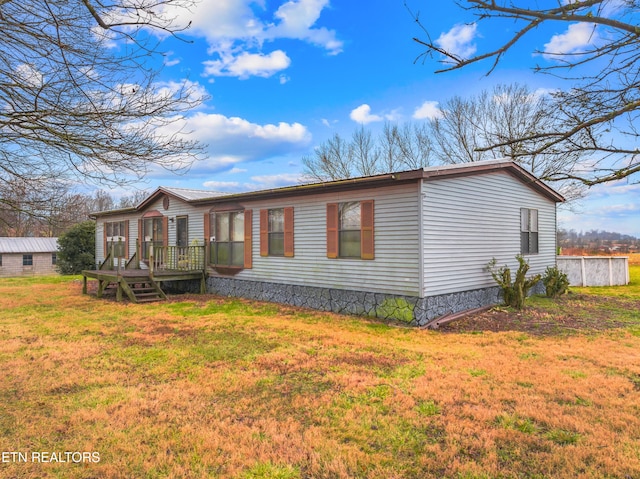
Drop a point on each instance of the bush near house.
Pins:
(77, 248)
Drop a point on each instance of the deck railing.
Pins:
(176, 258)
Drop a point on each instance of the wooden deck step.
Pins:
(143, 290)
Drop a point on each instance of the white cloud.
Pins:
(232, 141)
(296, 20)
(168, 61)
(237, 29)
(237, 170)
(427, 111)
(362, 114)
(273, 181)
(577, 37)
(222, 185)
(30, 75)
(248, 64)
(458, 40)
(255, 183)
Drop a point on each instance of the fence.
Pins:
(595, 270)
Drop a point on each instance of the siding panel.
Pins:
(470, 220)
(395, 268)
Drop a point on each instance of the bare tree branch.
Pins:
(597, 115)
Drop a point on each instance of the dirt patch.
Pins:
(571, 314)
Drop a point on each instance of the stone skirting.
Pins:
(408, 309)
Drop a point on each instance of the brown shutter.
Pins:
(288, 231)
(126, 239)
(332, 230)
(366, 218)
(165, 231)
(248, 236)
(264, 232)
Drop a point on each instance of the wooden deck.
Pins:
(140, 285)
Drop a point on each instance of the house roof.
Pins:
(28, 245)
(433, 173)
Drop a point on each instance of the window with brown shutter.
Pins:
(350, 230)
(276, 232)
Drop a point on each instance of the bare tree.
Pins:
(79, 93)
(503, 118)
(395, 148)
(599, 111)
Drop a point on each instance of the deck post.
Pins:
(119, 290)
(151, 259)
(112, 255)
(84, 284)
(138, 252)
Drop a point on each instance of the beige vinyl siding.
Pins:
(470, 220)
(177, 208)
(395, 268)
(12, 265)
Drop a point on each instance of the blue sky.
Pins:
(284, 76)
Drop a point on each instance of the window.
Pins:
(54, 258)
(182, 231)
(350, 230)
(276, 232)
(227, 239)
(0, 260)
(528, 231)
(153, 233)
(116, 238)
(27, 260)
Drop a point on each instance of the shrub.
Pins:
(514, 294)
(555, 282)
(77, 248)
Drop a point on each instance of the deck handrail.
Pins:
(176, 258)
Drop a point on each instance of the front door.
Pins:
(182, 231)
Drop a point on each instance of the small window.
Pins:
(276, 232)
(0, 260)
(528, 231)
(349, 230)
(27, 260)
(54, 258)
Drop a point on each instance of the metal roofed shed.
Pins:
(28, 256)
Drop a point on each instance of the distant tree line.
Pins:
(28, 211)
(597, 240)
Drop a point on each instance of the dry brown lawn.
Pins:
(213, 387)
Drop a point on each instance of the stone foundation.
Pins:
(408, 309)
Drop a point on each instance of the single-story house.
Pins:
(411, 245)
(27, 256)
